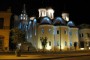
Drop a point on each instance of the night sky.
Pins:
(79, 10)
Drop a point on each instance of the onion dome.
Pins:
(71, 24)
(59, 21)
(46, 20)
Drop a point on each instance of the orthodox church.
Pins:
(60, 32)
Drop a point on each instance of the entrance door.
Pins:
(1, 42)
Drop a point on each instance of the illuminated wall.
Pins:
(73, 37)
(64, 38)
(84, 35)
(46, 31)
(61, 39)
(5, 31)
(57, 38)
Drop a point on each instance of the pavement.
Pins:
(44, 56)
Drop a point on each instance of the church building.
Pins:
(60, 32)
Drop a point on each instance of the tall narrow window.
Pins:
(42, 31)
(57, 31)
(88, 35)
(82, 34)
(70, 33)
(1, 23)
(70, 43)
(49, 30)
(49, 43)
(57, 43)
(1, 40)
(65, 43)
(82, 44)
(65, 32)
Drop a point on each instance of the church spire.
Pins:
(24, 9)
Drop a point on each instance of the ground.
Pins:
(84, 55)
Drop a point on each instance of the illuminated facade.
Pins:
(84, 34)
(61, 33)
(4, 29)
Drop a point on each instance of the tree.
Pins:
(18, 36)
(43, 42)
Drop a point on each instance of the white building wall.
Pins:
(73, 37)
(83, 33)
(57, 38)
(64, 38)
(47, 32)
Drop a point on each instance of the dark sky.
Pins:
(79, 10)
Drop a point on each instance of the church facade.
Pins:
(60, 32)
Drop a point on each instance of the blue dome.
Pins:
(70, 23)
(59, 20)
(46, 20)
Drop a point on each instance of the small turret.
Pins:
(46, 12)
(65, 16)
(42, 12)
(50, 13)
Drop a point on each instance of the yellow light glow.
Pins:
(81, 48)
(32, 18)
(67, 19)
(40, 47)
(89, 47)
(62, 46)
(50, 10)
(48, 47)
